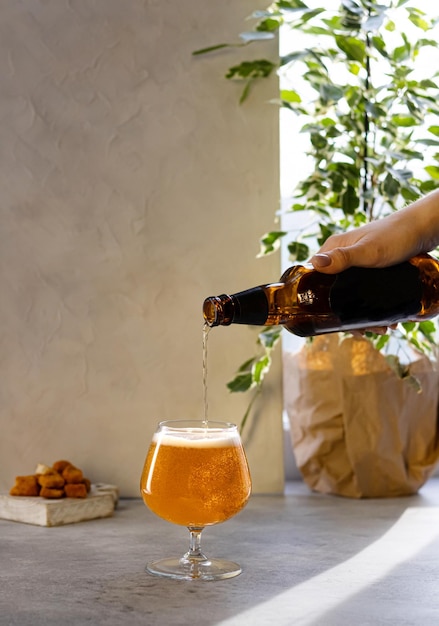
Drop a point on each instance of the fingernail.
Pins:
(321, 260)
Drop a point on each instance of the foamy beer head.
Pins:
(196, 475)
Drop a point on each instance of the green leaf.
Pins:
(298, 251)
(291, 5)
(290, 96)
(328, 122)
(247, 365)
(354, 68)
(326, 230)
(260, 368)
(427, 185)
(261, 14)
(414, 383)
(293, 56)
(408, 326)
(241, 382)
(434, 130)
(395, 364)
(269, 337)
(338, 182)
(418, 21)
(391, 186)
(259, 68)
(257, 35)
(427, 326)
(410, 195)
(374, 22)
(401, 175)
(381, 341)
(403, 373)
(350, 200)
(355, 49)
(422, 42)
(318, 141)
(390, 26)
(269, 24)
(352, 7)
(270, 242)
(433, 171)
(426, 83)
(331, 93)
(308, 15)
(379, 45)
(401, 53)
(428, 329)
(375, 110)
(428, 142)
(404, 120)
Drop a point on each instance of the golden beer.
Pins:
(196, 479)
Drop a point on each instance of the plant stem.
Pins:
(247, 413)
(367, 182)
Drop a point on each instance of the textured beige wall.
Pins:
(132, 186)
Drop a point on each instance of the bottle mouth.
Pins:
(215, 310)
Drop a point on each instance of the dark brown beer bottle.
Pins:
(307, 302)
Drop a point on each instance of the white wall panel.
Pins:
(132, 185)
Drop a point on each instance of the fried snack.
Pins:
(62, 479)
(60, 466)
(51, 481)
(51, 494)
(75, 490)
(25, 486)
(43, 469)
(72, 475)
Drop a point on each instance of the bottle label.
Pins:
(377, 296)
(306, 297)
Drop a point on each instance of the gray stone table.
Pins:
(308, 559)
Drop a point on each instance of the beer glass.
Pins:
(195, 475)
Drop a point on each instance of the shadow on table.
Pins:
(302, 557)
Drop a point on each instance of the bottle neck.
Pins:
(246, 307)
(218, 310)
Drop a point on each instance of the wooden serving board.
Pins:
(100, 502)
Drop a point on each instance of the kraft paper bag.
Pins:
(357, 429)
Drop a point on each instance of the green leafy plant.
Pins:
(368, 118)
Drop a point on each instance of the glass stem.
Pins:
(195, 545)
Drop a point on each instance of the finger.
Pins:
(334, 261)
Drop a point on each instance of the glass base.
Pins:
(194, 569)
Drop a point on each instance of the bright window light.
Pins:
(307, 603)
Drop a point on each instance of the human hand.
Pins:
(383, 242)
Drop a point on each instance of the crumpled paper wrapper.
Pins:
(357, 429)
